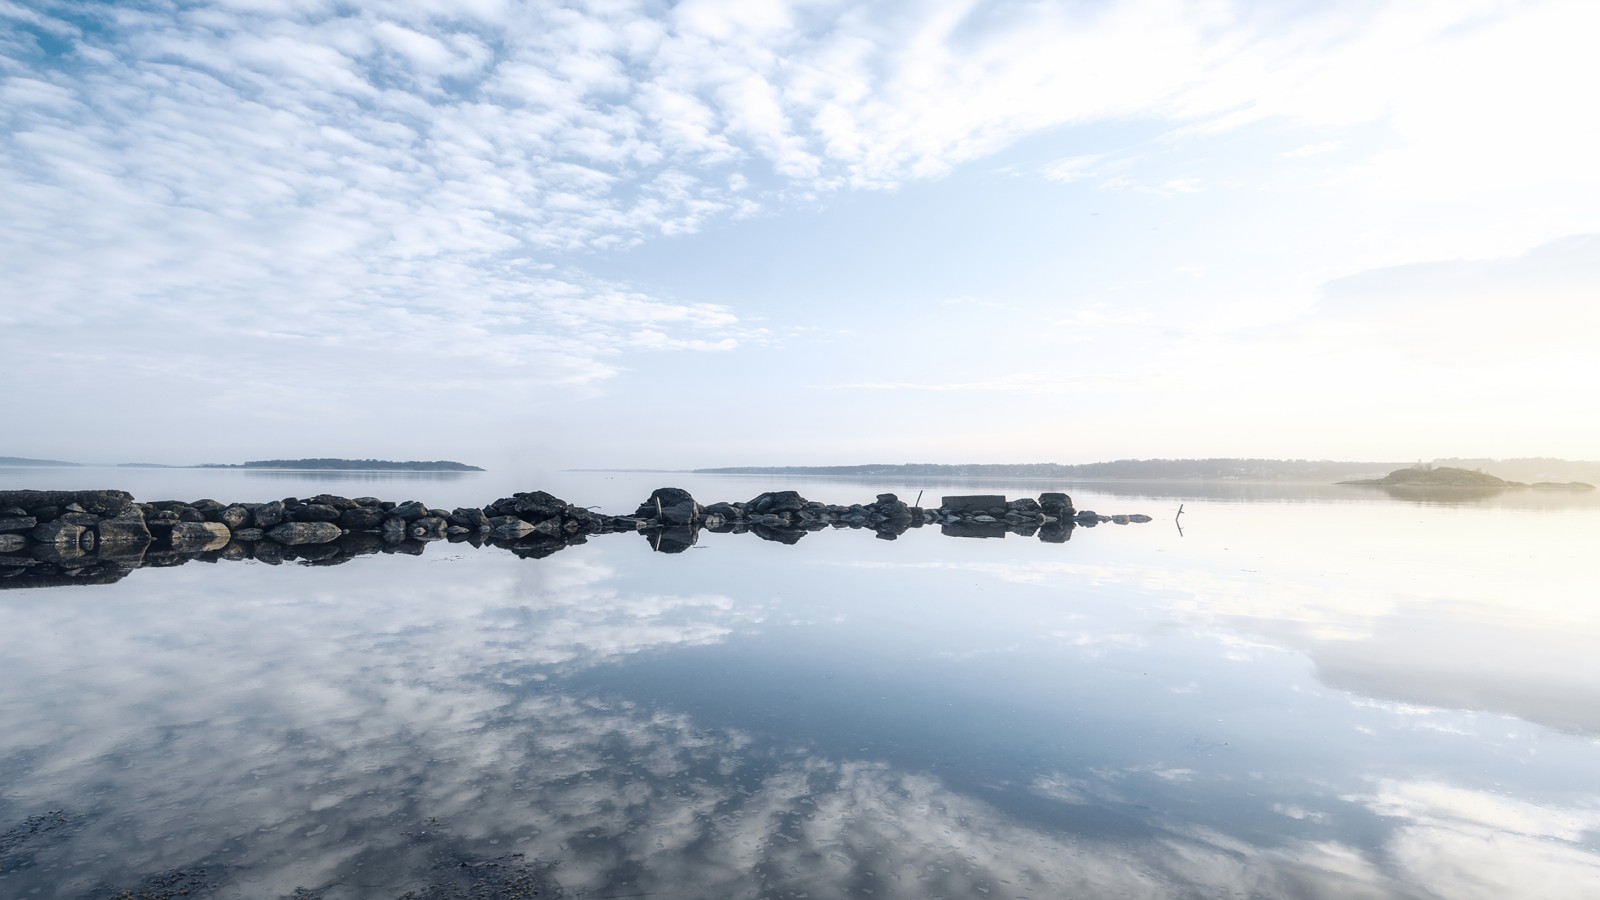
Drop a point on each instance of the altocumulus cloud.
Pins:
(322, 194)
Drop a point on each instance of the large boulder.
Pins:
(361, 518)
(59, 533)
(974, 504)
(17, 523)
(235, 517)
(269, 514)
(1055, 503)
(126, 529)
(293, 533)
(509, 527)
(531, 505)
(314, 512)
(101, 503)
(670, 506)
(196, 537)
(775, 502)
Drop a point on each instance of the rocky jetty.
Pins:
(56, 538)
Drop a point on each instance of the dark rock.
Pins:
(249, 534)
(101, 503)
(361, 518)
(235, 517)
(775, 502)
(1139, 517)
(532, 506)
(726, 510)
(208, 508)
(409, 510)
(194, 537)
(59, 533)
(314, 512)
(18, 523)
(269, 514)
(126, 529)
(468, 517)
(974, 504)
(12, 542)
(670, 505)
(1055, 503)
(394, 525)
(335, 501)
(509, 527)
(429, 528)
(294, 533)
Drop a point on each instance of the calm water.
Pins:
(1311, 692)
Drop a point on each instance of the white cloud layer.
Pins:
(313, 194)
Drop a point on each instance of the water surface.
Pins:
(1308, 693)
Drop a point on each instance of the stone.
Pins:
(315, 512)
(685, 510)
(509, 527)
(61, 534)
(127, 529)
(532, 505)
(11, 542)
(973, 503)
(775, 502)
(429, 528)
(1056, 504)
(394, 525)
(18, 523)
(269, 514)
(294, 533)
(972, 529)
(101, 503)
(362, 518)
(235, 517)
(249, 534)
(196, 537)
(468, 517)
(1139, 517)
(409, 510)
(335, 501)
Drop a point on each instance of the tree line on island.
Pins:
(1536, 469)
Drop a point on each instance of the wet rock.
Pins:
(295, 533)
(509, 527)
(410, 510)
(59, 533)
(17, 523)
(1058, 532)
(314, 512)
(1057, 504)
(335, 501)
(974, 504)
(269, 514)
(101, 503)
(249, 534)
(532, 505)
(12, 542)
(670, 505)
(362, 518)
(429, 528)
(775, 502)
(235, 517)
(468, 517)
(126, 529)
(195, 537)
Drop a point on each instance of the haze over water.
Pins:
(1308, 693)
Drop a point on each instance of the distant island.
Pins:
(1137, 469)
(1456, 478)
(24, 461)
(435, 465)
(1538, 470)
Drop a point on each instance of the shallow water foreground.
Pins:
(1310, 695)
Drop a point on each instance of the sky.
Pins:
(755, 232)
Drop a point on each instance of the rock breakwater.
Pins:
(59, 538)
